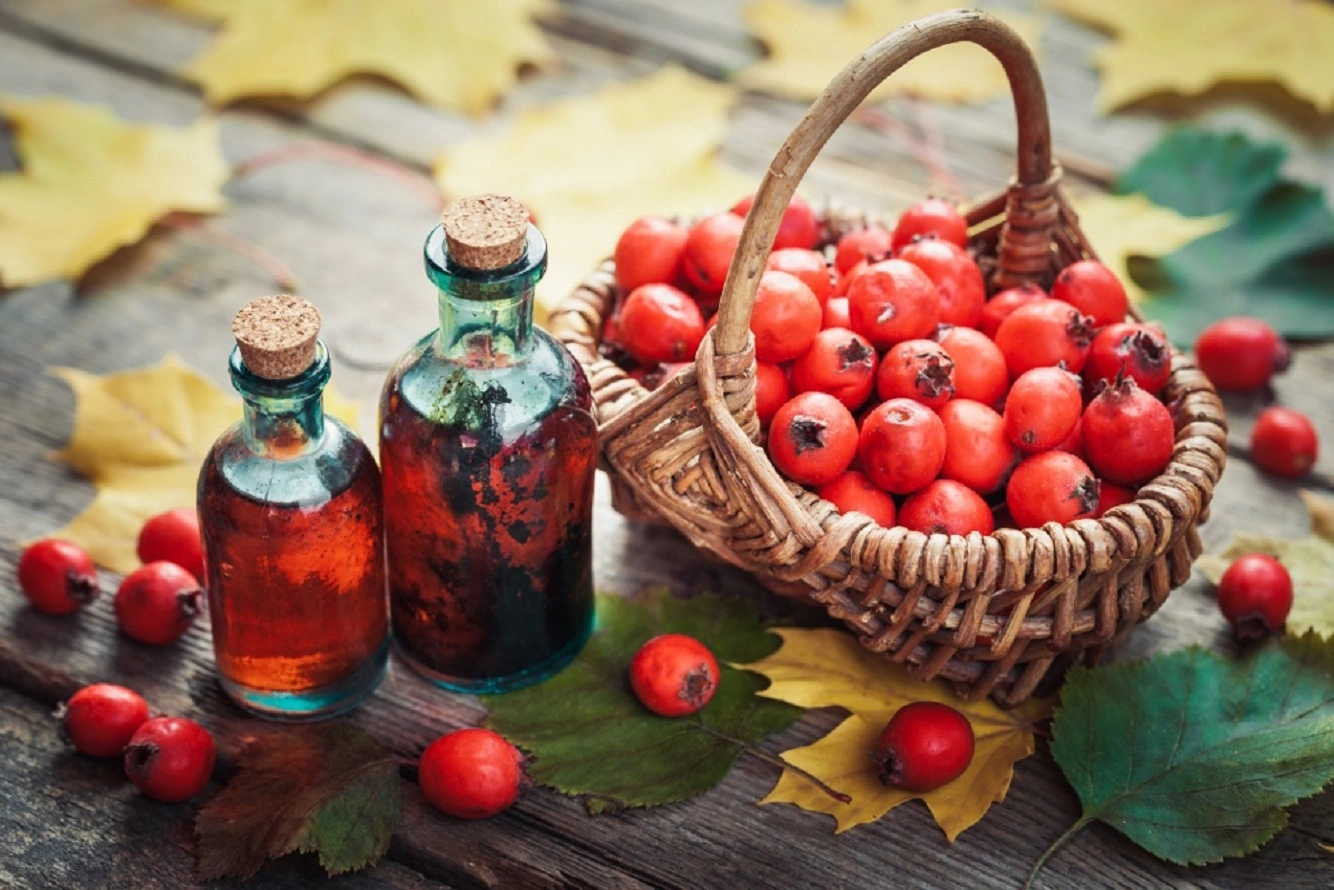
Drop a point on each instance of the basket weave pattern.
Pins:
(996, 613)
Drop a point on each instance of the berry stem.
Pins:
(1055, 845)
(342, 154)
(271, 265)
(778, 762)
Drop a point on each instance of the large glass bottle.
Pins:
(488, 446)
(290, 510)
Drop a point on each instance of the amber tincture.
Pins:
(290, 509)
(488, 446)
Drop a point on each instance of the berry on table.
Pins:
(902, 445)
(649, 252)
(813, 438)
(659, 323)
(170, 758)
(924, 745)
(708, 253)
(955, 275)
(785, 319)
(1042, 409)
(674, 675)
(947, 507)
(157, 603)
(892, 301)
(931, 216)
(798, 228)
(174, 536)
(840, 363)
(1045, 333)
(1128, 434)
(977, 451)
(100, 719)
(1255, 596)
(1051, 487)
(1284, 442)
(57, 576)
(1094, 290)
(1132, 350)
(917, 369)
(853, 492)
(1241, 353)
(471, 773)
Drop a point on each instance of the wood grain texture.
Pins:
(353, 240)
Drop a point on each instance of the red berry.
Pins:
(1255, 596)
(1074, 443)
(947, 507)
(999, 307)
(1128, 434)
(853, 492)
(980, 373)
(1284, 441)
(813, 438)
(836, 313)
(470, 773)
(1042, 409)
(174, 536)
(930, 217)
(100, 719)
(708, 253)
(1094, 290)
(893, 301)
(674, 675)
(785, 319)
(1051, 487)
(1110, 495)
(157, 603)
(925, 745)
(868, 245)
(845, 279)
(977, 451)
(798, 228)
(771, 391)
(840, 363)
(1135, 350)
(1240, 353)
(917, 369)
(660, 324)
(649, 252)
(902, 445)
(170, 758)
(955, 275)
(807, 265)
(1043, 334)
(57, 576)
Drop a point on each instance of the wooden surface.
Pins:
(353, 241)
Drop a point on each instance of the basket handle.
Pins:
(844, 93)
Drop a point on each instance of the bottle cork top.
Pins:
(276, 336)
(486, 231)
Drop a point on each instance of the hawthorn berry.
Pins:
(868, 245)
(785, 319)
(845, 279)
(1051, 487)
(840, 363)
(917, 369)
(836, 313)
(931, 216)
(471, 773)
(853, 492)
(1255, 596)
(57, 576)
(174, 536)
(1111, 495)
(708, 253)
(1094, 290)
(659, 323)
(674, 675)
(1128, 434)
(1284, 442)
(924, 745)
(999, 307)
(902, 445)
(771, 391)
(1133, 350)
(1045, 333)
(946, 507)
(977, 451)
(980, 372)
(892, 301)
(798, 228)
(1074, 442)
(100, 719)
(1241, 353)
(807, 265)
(649, 251)
(170, 758)
(955, 275)
(1042, 409)
(157, 603)
(812, 438)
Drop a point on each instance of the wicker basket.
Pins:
(995, 614)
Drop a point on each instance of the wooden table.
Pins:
(67, 821)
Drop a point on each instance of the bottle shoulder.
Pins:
(339, 460)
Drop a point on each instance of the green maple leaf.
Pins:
(1273, 261)
(329, 789)
(590, 736)
(1194, 756)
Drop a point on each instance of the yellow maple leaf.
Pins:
(140, 436)
(1187, 47)
(91, 183)
(809, 44)
(829, 668)
(1122, 226)
(590, 165)
(453, 53)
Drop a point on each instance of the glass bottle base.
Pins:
(312, 704)
(553, 664)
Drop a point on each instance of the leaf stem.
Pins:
(272, 266)
(343, 154)
(778, 762)
(1055, 845)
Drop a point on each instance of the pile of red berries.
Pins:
(890, 383)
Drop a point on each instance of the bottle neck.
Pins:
(486, 315)
(282, 419)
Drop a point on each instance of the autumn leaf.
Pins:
(591, 165)
(1188, 47)
(808, 44)
(453, 53)
(829, 668)
(591, 737)
(1194, 756)
(91, 183)
(329, 789)
(140, 436)
(1309, 560)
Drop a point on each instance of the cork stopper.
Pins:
(276, 336)
(486, 231)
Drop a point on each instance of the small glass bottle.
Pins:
(290, 510)
(488, 446)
